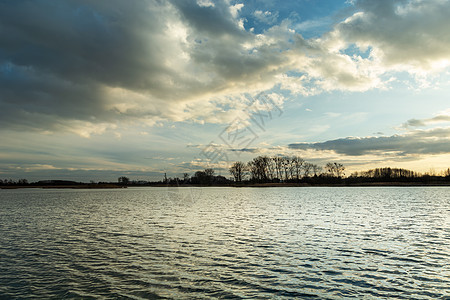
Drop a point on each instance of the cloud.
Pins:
(200, 164)
(440, 118)
(87, 67)
(417, 142)
(408, 35)
(367, 48)
(266, 16)
(35, 172)
(112, 62)
(216, 20)
(248, 150)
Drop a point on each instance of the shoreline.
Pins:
(366, 184)
(255, 185)
(78, 186)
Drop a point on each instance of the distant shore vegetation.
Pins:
(263, 171)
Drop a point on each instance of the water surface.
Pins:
(188, 243)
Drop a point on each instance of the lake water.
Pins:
(195, 243)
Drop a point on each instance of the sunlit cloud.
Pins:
(154, 60)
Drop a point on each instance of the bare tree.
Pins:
(291, 167)
(447, 173)
(237, 170)
(335, 169)
(186, 177)
(339, 169)
(253, 169)
(209, 172)
(269, 168)
(316, 170)
(123, 180)
(307, 168)
(278, 166)
(298, 163)
(259, 167)
(286, 166)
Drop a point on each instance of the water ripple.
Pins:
(308, 243)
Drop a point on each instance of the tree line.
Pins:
(262, 169)
(283, 169)
(398, 175)
(387, 173)
(205, 177)
(265, 169)
(11, 182)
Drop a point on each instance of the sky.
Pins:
(94, 90)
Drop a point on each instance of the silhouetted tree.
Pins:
(286, 167)
(237, 170)
(278, 162)
(123, 180)
(298, 165)
(209, 172)
(329, 167)
(185, 177)
(258, 168)
(335, 169)
(22, 182)
(316, 170)
(388, 173)
(307, 169)
(203, 177)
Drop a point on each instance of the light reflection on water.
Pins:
(226, 243)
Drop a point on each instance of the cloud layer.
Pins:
(89, 66)
(434, 141)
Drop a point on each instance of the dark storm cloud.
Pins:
(58, 57)
(60, 60)
(82, 41)
(214, 20)
(435, 141)
(55, 57)
(37, 100)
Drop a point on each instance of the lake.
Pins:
(231, 243)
